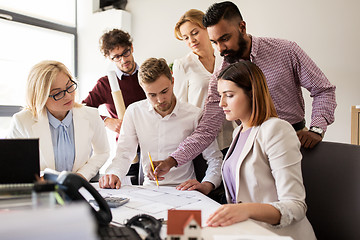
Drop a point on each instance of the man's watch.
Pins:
(317, 130)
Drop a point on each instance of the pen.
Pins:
(152, 166)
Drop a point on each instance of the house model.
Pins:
(184, 224)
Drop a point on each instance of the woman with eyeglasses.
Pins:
(72, 137)
(192, 72)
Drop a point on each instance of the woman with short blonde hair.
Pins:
(72, 137)
(37, 91)
(192, 72)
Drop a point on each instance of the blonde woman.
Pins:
(192, 73)
(72, 137)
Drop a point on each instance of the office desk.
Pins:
(156, 201)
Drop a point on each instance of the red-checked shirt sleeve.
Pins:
(321, 90)
(208, 128)
(287, 68)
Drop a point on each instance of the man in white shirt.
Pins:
(158, 124)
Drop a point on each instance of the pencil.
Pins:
(152, 166)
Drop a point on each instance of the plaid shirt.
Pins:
(287, 68)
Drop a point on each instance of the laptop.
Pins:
(19, 161)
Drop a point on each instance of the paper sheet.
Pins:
(156, 201)
(250, 237)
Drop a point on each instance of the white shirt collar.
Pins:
(120, 73)
(173, 113)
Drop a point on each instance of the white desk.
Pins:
(155, 201)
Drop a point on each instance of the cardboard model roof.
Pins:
(179, 219)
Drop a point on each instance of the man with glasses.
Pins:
(116, 45)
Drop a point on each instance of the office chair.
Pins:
(331, 175)
(200, 167)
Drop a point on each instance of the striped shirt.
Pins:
(287, 68)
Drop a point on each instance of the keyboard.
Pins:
(16, 195)
(112, 232)
(15, 191)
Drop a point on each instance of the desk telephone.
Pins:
(70, 184)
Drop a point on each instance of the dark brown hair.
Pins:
(250, 78)
(113, 39)
(224, 10)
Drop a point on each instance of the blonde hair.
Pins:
(194, 16)
(39, 82)
(152, 69)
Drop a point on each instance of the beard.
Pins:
(232, 55)
(163, 107)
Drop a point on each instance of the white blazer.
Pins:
(91, 144)
(269, 171)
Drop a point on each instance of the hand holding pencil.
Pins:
(152, 166)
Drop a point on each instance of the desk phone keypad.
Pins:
(114, 202)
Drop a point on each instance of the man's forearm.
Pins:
(208, 128)
(202, 137)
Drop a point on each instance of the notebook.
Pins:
(19, 161)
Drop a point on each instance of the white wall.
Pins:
(91, 26)
(326, 30)
(92, 64)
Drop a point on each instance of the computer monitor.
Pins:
(19, 160)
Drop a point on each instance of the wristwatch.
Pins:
(317, 130)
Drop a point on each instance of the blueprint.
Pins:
(156, 201)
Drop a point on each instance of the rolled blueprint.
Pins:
(118, 99)
(116, 94)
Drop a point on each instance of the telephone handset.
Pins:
(70, 184)
(150, 224)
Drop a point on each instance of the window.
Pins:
(192, 226)
(61, 12)
(23, 48)
(35, 30)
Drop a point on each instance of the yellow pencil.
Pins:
(152, 165)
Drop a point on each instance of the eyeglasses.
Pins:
(118, 57)
(61, 94)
